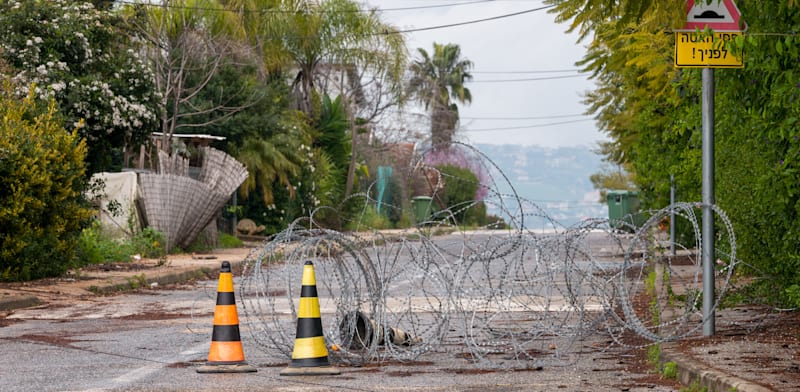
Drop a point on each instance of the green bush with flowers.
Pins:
(84, 60)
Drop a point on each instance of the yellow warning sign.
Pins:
(693, 50)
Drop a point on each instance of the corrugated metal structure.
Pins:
(181, 207)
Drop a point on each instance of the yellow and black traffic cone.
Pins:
(226, 354)
(310, 356)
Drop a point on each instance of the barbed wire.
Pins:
(502, 297)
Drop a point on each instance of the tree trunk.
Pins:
(351, 170)
(442, 127)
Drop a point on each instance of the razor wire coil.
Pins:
(502, 298)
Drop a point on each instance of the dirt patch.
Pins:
(753, 344)
(400, 373)
(4, 322)
(363, 370)
(682, 259)
(272, 365)
(635, 356)
(528, 354)
(106, 267)
(395, 363)
(150, 316)
(468, 371)
(635, 361)
(52, 340)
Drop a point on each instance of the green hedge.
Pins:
(43, 177)
(461, 186)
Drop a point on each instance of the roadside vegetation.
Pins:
(43, 176)
(298, 90)
(301, 89)
(651, 112)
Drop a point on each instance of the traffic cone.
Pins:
(310, 356)
(226, 355)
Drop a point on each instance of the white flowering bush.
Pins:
(78, 56)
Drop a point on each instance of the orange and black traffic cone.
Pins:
(226, 355)
(310, 356)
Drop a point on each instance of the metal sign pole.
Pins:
(672, 214)
(708, 201)
(696, 50)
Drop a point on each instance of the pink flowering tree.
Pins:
(461, 156)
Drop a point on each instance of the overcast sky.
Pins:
(528, 46)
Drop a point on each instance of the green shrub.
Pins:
(369, 220)
(670, 370)
(476, 214)
(654, 356)
(405, 220)
(203, 243)
(42, 209)
(229, 241)
(95, 248)
(694, 387)
(149, 243)
(206, 243)
(495, 222)
(458, 194)
(793, 295)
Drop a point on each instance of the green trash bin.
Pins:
(623, 210)
(423, 208)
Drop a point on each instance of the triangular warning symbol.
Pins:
(718, 15)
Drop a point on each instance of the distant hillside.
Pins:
(557, 180)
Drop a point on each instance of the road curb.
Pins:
(142, 281)
(133, 283)
(18, 301)
(690, 371)
(121, 284)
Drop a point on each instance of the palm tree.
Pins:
(321, 41)
(436, 81)
(318, 40)
(269, 160)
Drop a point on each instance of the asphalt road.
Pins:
(154, 340)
